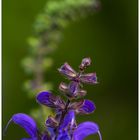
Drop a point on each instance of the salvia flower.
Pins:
(63, 126)
(48, 99)
(83, 107)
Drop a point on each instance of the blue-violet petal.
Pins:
(86, 107)
(85, 129)
(25, 122)
(46, 98)
(68, 121)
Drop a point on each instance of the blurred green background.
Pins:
(109, 37)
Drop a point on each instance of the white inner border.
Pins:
(1, 69)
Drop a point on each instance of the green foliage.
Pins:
(48, 29)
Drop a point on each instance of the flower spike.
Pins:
(73, 89)
(63, 126)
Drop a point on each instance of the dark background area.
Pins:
(109, 37)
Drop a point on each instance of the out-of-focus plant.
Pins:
(48, 29)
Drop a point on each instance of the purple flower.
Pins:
(85, 129)
(73, 89)
(78, 77)
(27, 123)
(68, 121)
(67, 130)
(70, 131)
(46, 98)
(67, 126)
(83, 107)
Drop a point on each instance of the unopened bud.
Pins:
(85, 63)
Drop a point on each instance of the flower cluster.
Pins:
(63, 125)
(74, 89)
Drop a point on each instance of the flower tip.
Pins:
(42, 97)
(39, 95)
(85, 63)
(85, 129)
(25, 122)
(84, 107)
(90, 106)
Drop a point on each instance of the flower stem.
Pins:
(62, 116)
(64, 112)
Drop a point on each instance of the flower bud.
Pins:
(73, 88)
(89, 78)
(67, 71)
(63, 87)
(82, 93)
(85, 63)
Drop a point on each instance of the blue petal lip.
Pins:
(86, 108)
(66, 125)
(25, 122)
(68, 121)
(45, 98)
(85, 129)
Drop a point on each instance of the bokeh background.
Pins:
(109, 37)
